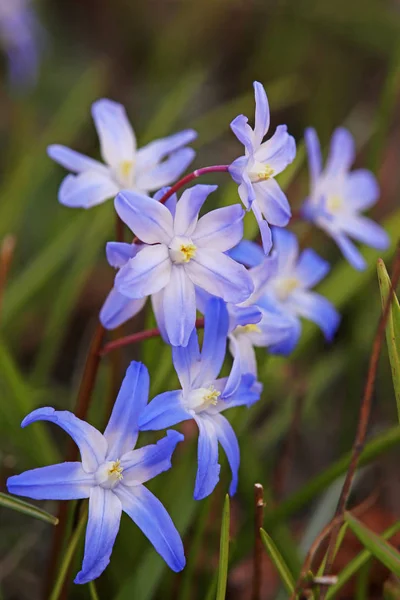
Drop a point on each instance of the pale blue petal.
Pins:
(166, 172)
(87, 189)
(103, 524)
(152, 518)
(179, 304)
(318, 309)
(123, 429)
(248, 253)
(234, 378)
(220, 229)
(65, 481)
(361, 190)
(92, 445)
(237, 168)
(341, 153)
(287, 247)
(165, 410)
(117, 139)
(228, 440)
(365, 230)
(118, 253)
(247, 393)
(148, 272)
(220, 276)
(314, 154)
(170, 203)
(147, 218)
(311, 268)
(288, 342)
(264, 272)
(187, 361)
(188, 207)
(243, 315)
(265, 230)
(117, 309)
(243, 132)
(277, 152)
(208, 468)
(272, 202)
(74, 161)
(145, 463)
(213, 352)
(246, 191)
(156, 151)
(241, 348)
(349, 251)
(262, 112)
(157, 303)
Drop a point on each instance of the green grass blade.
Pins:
(392, 329)
(27, 509)
(93, 592)
(277, 559)
(224, 551)
(380, 548)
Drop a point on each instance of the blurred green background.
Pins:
(177, 64)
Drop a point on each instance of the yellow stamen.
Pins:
(188, 251)
(266, 173)
(116, 470)
(286, 287)
(212, 396)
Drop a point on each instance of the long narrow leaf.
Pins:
(224, 551)
(27, 509)
(280, 565)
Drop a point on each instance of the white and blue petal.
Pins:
(228, 440)
(342, 152)
(261, 122)
(216, 325)
(165, 410)
(247, 393)
(365, 230)
(188, 208)
(147, 218)
(318, 309)
(117, 139)
(208, 467)
(154, 152)
(179, 303)
(118, 253)
(311, 268)
(166, 172)
(361, 190)
(243, 132)
(220, 229)
(272, 202)
(265, 230)
(170, 203)
(74, 161)
(349, 251)
(118, 309)
(186, 361)
(87, 189)
(277, 152)
(287, 248)
(314, 154)
(148, 272)
(248, 253)
(288, 342)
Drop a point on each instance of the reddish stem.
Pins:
(188, 178)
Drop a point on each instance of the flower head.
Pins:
(262, 161)
(145, 169)
(111, 474)
(181, 251)
(203, 398)
(337, 196)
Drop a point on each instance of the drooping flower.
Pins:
(111, 475)
(20, 33)
(287, 289)
(203, 398)
(255, 171)
(337, 196)
(180, 252)
(144, 170)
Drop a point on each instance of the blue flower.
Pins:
(145, 170)
(181, 251)
(287, 288)
(19, 35)
(262, 161)
(337, 196)
(203, 397)
(111, 475)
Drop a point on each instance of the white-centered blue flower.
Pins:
(180, 252)
(111, 475)
(287, 288)
(255, 171)
(204, 397)
(337, 196)
(145, 170)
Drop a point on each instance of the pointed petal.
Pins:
(228, 440)
(145, 463)
(277, 152)
(219, 275)
(170, 203)
(365, 231)
(118, 253)
(118, 309)
(103, 524)
(145, 217)
(349, 251)
(311, 268)
(157, 303)
(214, 344)
(288, 342)
(243, 315)
(262, 113)
(314, 154)
(361, 190)
(66, 481)
(272, 202)
(74, 161)
(117, 139)
(92, 445)
(248, 253)
(247, 393)
(166, 172)
(152, 518)
(237, 169)
(87, 189)
(246, 191)
(220, 229)
(242, 350)
(186, 361)
(179, 304)
(148, 272)
(165, 410)
(287, 248)
(243, 132)
(208, 469)
(318, 309)
(265, 230)
(122, 430)
(188, 208)
(341, 153)
(150, 155)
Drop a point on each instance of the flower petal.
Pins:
(179, 304)
(361, 190)
(117, 139)
(188, 208)
(118, 253)
(265, 230)
(242, 350)
(318, 309)
(152, 518)
(219, 275)
(341, 153)
(165, 410)
(220, 229)
(350, 251)
(65, 481)
(248, 253)
(145, 463)
(208, 468)
(262, 112)
(74, 161)
(228, 440)
(151, 154)
(92, 445)
(288, 343)
(117, 309)
(314, 154)
(279, 151)
(157, 303)
(145, 217)
(103, 524)
(365, 231)
(166, 172)
(214, 343)
(247, 393)
(170, 203)
(87, 189)
(187, 361)
(272, 202)
(311, 268)
(243, 132)
(148, 272)
(287, 248)
(122, 429)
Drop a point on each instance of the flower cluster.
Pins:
(251, 295)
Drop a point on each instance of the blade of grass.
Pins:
(223, 551)
(280, 565)
(26, 508)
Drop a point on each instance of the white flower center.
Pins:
(245, 329)
(334, 203)
(109, 474)
(200, 399)
(182, 249)
(284, 287)
(124, 173)
(260, 172)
